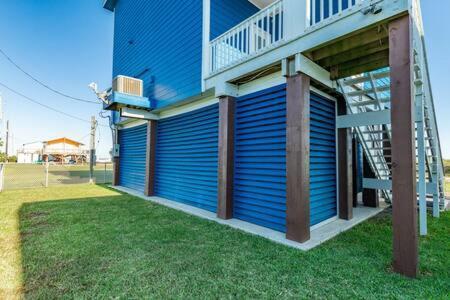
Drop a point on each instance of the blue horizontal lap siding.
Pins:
(165, 37)
(323, 159)
(225, 14)
(187, 158)
(260, 158)
(133, 157)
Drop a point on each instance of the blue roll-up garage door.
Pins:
(187, 158)
(323, 159)
(132, 157)
(260, 158)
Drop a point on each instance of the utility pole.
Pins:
(92, 150)
(7, 140)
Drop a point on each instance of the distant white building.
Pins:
(61, 150)
(30, 153)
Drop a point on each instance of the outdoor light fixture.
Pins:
(102, 96)
(372, 9)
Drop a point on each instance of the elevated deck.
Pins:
(351, 40)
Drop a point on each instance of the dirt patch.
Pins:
(36, 214)
(387, 212)
(25, 234)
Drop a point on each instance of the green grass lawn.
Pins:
(447, 187)
(83, 241)
(19, 176)
(447, 167)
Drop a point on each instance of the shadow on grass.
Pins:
(121, 246)
(79, 176)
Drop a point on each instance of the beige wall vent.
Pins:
(128, 85)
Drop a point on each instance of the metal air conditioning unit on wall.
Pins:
(128, 85)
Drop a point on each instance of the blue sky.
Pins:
(68, 44)
(65, 43)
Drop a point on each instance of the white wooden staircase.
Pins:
(368, 100)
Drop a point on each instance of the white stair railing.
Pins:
(364, 93)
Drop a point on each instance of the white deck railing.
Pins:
(257, 33)
(270, 27)
(320, 9)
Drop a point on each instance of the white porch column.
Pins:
(296, 17)
(435, 180)
(421, 153)
(206, 28)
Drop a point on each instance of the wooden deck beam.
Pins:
(361, 39)
(356, 53)
(363, 64)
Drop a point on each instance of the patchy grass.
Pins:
(86, 241)
(447, 186)
(447, 167)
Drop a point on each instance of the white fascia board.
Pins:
(130, 123)
(379, 184)
(325, 95)
(340, 25)
(188, 107)
(137, 114)
(261, 84)
(364, 119)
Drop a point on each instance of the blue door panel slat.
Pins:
(260, 158)
(187, 158)
(260, 147)
(132, 157)
(323, 173)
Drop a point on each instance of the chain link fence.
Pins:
(21, 176)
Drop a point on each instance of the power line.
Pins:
(46, 106)
(43, 84)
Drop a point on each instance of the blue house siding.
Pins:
(260, 158)
(132, 157)
(323, 186)
(160, 41)
(225, 14)
(187, 158)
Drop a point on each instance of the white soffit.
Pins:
(262, 3)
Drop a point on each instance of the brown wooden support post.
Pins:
(297, 158)
(116, 161)
(116, 171)
(345, 166)
(150, 158)
(226, 157)
(404, 207)
(355, 170)
(370, 196)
